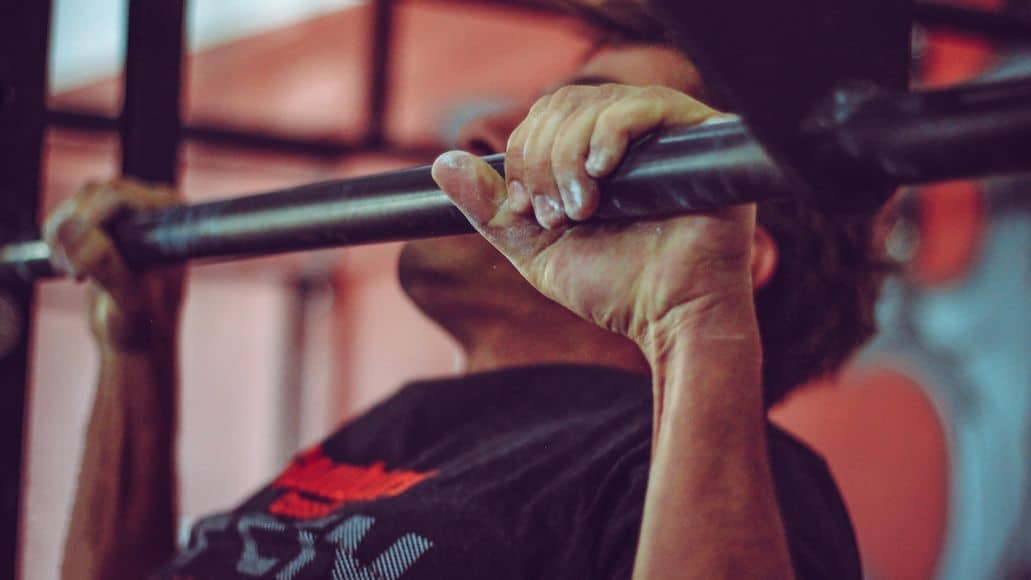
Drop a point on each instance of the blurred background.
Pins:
(927, 433)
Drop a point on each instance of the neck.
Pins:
(493, 355)
(497, 318)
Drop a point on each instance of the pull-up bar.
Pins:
(873, 142)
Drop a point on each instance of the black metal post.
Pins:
(24, 35)
(151, 117)
(379, 70)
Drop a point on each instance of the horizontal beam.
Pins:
(245, 138)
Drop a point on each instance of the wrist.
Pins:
(152, 343)
(724, 320)
(707, 357)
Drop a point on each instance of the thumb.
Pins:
(479, 192)
(473, 186)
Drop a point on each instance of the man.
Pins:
(612, 419)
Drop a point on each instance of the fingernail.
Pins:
(452, 159)
(596, 162)
(60, 262)
(549, 212)
(573, 197)
(519, 200)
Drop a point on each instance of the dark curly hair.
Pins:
(818, 307)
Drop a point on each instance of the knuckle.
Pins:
(540, 105)
(655, 92)
(567, 153)
(67, 233)
(87, 190)
(517, 138)
(573, 93)
(537, 152)
(564, 92)
(608, 121)
(611, 91)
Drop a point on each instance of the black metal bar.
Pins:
(245, 138)
(996, 26)
(326, 148)
(24, 36)
(872, 142)
(865, 140)
(153, 86)
(683, 170)
(379, 70)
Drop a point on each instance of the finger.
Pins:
(538, 175)
(88, 210)
(580, 196)
(140, 195)
(95, 257)
(479, 192)
(518, 198)
(514, 163)
(631, 117)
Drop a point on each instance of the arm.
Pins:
(123, 517)
(680, 288)
(710, 509)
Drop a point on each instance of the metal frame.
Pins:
(24, 35)
(379, 72)
(247, 138)
(150, 122)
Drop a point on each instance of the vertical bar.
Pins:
(151, 119)
(291, 393)
(24, 35)
(379, 71)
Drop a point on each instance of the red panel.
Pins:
(886, 448)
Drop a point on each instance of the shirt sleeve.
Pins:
(818, 528)
(617, 545)
(819, 532)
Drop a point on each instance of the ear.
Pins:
(764, 257)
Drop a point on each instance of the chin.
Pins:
(452, 260)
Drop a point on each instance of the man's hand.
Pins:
(129, 311)
(637, 279)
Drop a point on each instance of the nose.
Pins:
(488, 134)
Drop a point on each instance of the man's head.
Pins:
(816, 277)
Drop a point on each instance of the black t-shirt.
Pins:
(534, 472)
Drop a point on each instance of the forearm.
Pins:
(123, 518)
(710, 509)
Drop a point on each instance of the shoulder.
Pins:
(816, 521)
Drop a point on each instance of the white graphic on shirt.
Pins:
(251, 563)
(389, 565)
(201, 531)
(307, 541)
(344, 536)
